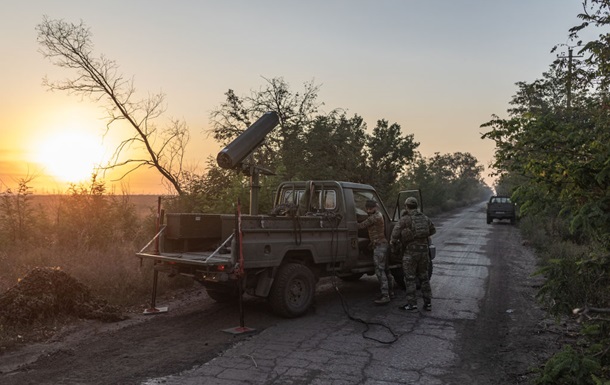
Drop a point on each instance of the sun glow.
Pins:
(71, 156)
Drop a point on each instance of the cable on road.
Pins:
(335, 252)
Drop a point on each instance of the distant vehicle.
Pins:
(501, 207)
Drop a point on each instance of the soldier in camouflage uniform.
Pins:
(376, 228)
(413, 230)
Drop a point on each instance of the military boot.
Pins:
(384, 299)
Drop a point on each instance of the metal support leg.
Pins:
(153, 309)
(241, 328)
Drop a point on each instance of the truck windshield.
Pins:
(500, 200)
(321, 200)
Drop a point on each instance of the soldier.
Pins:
(376, 228)
(413, 230)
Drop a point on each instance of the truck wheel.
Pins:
(293, 290)
(489, 219)
(512, 221)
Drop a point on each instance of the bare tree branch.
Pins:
(69, 45)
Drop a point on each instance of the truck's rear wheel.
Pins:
(293, 290)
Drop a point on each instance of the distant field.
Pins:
(143, 203)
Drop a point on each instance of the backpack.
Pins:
(420, 225)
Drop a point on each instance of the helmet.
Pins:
(411, 202)
(370, 204)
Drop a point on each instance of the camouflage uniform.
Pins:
(415, 259)
(376, 228)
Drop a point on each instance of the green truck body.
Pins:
(311, 233)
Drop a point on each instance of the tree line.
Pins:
(553, 155)
(307, 144)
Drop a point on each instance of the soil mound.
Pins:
(48, 293)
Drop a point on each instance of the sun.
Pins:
(71, 156)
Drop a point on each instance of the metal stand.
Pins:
(240, 287)
(241, 328)
(153, 309)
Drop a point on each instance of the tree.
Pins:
(296, 110)
(388, 154)
(333, 149)
(446, 180)
(69, 45)
(18, 218)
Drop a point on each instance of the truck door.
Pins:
(359, 198)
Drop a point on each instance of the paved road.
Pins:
(329, 347)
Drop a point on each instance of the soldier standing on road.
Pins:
(413, 230)
(376, 228)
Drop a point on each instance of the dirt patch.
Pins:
(45, 300)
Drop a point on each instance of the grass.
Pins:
(110, 268)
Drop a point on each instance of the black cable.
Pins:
(335, 229)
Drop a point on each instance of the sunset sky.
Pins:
(438, 68)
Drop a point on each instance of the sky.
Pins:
(439, 69)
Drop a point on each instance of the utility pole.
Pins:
(569, 81)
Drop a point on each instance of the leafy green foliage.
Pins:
(569, 367)
(295, 110)
(553, 154)
(389, 154)
(448, 181)
(308, 145)
(333, 149)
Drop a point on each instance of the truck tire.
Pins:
(293, 290)
(489, 219)
(512, 221)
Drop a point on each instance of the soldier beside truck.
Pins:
(312, 232)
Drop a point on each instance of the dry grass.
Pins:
(111, 270)
(105, 268)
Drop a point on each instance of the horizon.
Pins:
(438, 70)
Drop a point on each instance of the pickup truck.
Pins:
(311, 233)
(501, 207)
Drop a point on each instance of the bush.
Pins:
(569, 367)
(576, 277)
(87, 233)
